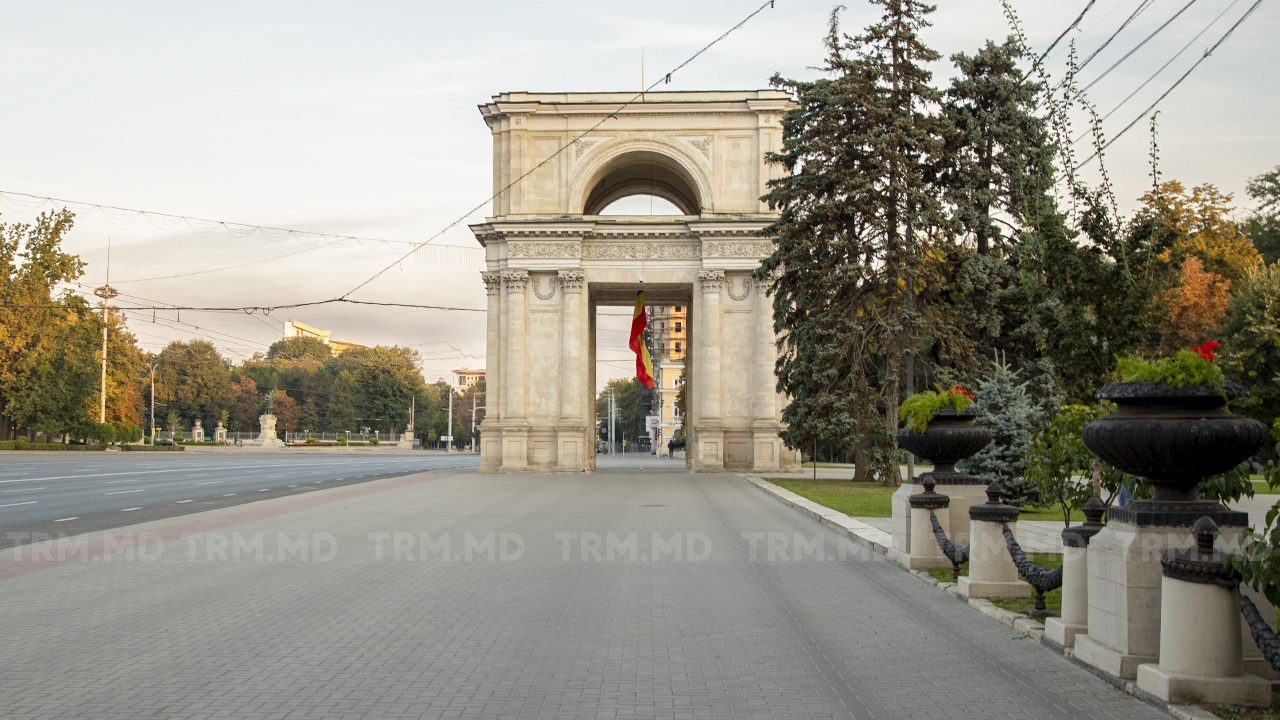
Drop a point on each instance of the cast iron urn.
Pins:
(949, 438)
(1174, 437)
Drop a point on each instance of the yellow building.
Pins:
(670, 332)
(467, 378)
(292, 328)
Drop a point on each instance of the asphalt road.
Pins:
(56, 494)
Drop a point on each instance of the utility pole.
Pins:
(448, 448)
(153, 404)
(613, 406)
(106, 292)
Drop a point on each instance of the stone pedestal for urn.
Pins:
(220, 433)
(1074, 619)
(948, 439)
(267, 435)
(1200, 640)
(925, 551)
(991, 569)
(1174, 437)
(197, 432)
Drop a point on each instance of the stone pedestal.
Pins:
(220, 433)
(406, 439)
(1200, 641)
(1124, 588)
(991, 569)
(955, 518)
(197, 432)
(1074, 619)
(267, 435)
(925, 551)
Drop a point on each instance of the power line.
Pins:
(664, 79)
(265, 309)
(202, 225)
(1141, 7)
(1139, 46)
(1150, 107)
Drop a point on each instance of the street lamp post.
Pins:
(106, 292)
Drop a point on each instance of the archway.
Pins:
(642, 172)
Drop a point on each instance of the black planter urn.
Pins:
(949, 438)
(1174, 437)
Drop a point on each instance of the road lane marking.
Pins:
(181, 501)
(264, 489)
(228, 495)
(126, 492)
(66, 519)
(213, 482)
(117, 482)
(21, 490)
(29, 502)
(130, 509)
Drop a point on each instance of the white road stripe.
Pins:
(29, 502)
(126, 492)
(130, 509)
(66, 519)
(182, 501)
(21, 490)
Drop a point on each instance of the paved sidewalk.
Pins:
(548, 607)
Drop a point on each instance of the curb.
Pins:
(1019, 622)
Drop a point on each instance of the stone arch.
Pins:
(641, 167)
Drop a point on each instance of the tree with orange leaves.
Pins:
(1200, 225)
(1194, 308)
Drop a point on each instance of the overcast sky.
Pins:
(360, 119)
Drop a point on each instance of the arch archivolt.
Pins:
(613, 155)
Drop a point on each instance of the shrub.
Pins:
(373, 440)
(1013, 418)
(1186, 367)
(920, 408)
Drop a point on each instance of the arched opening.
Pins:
(643, 173)
(641, 205)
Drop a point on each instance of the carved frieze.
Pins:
(642, 251)
(736, 248)
(517, 249)
(515, 280)
(492, 282)
(711, 280)
(537, 287)
(746, 288)
(571, 281)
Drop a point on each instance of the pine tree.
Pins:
(1013, 418)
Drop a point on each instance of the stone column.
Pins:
(570, 430)
(197, 431)
(1200, 643)
(1075, 578)
(490, 430)
(767, 446)
(991, 569)
(515, 427)
(710, 427)
(925, 551)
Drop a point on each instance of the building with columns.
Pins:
(552, 260)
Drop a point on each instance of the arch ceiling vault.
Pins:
(551, 259)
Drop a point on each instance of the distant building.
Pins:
(293, 328)
(467, 378)
(669, 333)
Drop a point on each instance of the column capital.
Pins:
(492, 282)
(515, 280)
(571, 281)
(711, 280)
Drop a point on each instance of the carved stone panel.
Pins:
(522, 249)
(736, 248)
(642, 251)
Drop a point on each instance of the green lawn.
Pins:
(862, 499)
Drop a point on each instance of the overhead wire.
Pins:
(612, 115)
(1174, 86)
(1138, 47)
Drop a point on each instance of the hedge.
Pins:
(150, 448)
(24, 445)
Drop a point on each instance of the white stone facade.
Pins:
(551, 261)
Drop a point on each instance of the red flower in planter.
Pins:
(958, 389)
(1206, 350)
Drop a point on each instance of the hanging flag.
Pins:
(644, 363)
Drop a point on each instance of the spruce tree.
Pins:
(1013, 418)
(853, 205)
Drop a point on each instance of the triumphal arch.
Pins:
(552, 259)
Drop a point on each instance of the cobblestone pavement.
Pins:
(599, 596)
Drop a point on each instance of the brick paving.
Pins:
(557, 629)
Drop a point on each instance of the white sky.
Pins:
(360, 119)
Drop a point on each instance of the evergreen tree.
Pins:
(853, 207)
(1013, 418)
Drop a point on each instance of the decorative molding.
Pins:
(746, 289)
(737, 248)
(543, 249)
(582, 147)
(642, 251)
(639, 235)
(537, 288)
(701, 144)
(571, 281)
(515, 280)
(711, 280)
(492, 282)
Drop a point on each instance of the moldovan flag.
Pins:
(644, 363)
